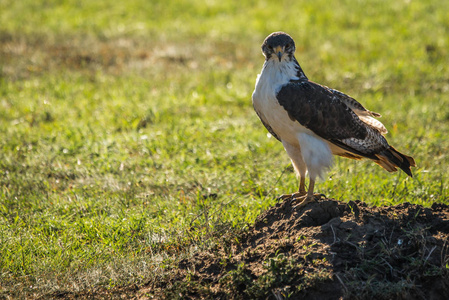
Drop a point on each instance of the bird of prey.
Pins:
(314, 122)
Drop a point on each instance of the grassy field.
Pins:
(128, 138)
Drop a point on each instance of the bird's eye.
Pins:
(288, 46)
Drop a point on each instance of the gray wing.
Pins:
(322, 110)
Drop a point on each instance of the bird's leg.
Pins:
(309, 197)
(302, 186)
(301, 192)
(294, 152)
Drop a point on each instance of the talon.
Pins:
(291, 196)
(304, 200)
(284, 197)
(319, 196)
(302, 197)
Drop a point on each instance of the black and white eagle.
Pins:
(314, 122)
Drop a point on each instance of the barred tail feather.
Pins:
(391, 159)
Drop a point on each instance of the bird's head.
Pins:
(278, 46)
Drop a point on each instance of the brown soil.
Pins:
(325, 250)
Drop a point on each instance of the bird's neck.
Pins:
(279, 73)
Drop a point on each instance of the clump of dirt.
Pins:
(324, 250)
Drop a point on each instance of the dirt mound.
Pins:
(325, 250)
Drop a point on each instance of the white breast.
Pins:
(315, 151)
(273, 76)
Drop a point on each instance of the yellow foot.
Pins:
(292, 196)
(303, 200)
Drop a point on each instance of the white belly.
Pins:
(277, 117)
(316, 152)
(268, 107)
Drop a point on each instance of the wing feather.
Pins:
(365, 115)
(329, 115)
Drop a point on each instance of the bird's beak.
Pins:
(279, 52)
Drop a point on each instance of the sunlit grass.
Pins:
(128, 134)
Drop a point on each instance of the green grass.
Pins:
(119, 123)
